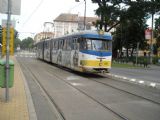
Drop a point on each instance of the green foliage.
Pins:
(17, 42)
(155, 60)
(129, 17)
(27, 43)
(157, 32)
(108, 11)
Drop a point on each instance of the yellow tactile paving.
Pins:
(16, 108)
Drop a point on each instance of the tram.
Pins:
(87, 51)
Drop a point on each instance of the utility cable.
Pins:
(29, 17)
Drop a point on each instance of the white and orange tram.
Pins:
(88, 51)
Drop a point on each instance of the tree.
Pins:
(131, 29)
(157, 35)
(17, 42)
(129, 17)
(108, 11)
(27, 43)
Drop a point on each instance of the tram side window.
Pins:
(72, 43)
(89, 44)
(46, 45)
(64, 44)
(83, 44)
(75, 44)
(55, 45)
(60, 45)
(40, 46)
(68, 44)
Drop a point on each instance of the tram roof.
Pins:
(96, 34)
(91, 34)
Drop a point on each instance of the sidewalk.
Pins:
(155, 67)
(18, 107)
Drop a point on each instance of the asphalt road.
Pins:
(151, 74)
(81, 97)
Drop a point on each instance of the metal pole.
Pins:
(85, 16)
(7, 52)
(137, 52)
(151, 45)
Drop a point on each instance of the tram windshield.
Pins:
(95, 44)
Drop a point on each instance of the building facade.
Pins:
(40, 36)
(65, 24)
(69, 23)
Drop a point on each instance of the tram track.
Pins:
(60, 76)
(54, 103)
(128, 92)
(102, 104)
(105, 83)
(47, 96)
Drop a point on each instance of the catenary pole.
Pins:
(151, 44)
(84, 21)
(85, 15)
(7, 52)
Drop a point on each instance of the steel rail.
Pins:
(49, 98)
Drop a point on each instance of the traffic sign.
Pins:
(11, 42)
(15, 8)
(4, 41)
(148, 34)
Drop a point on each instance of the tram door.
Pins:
(67, 52)
(75, 52)
(47, 50)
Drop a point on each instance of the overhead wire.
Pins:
(75, 6)
(30, 16)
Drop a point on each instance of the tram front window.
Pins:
(93, 44)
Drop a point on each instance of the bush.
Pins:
(155, 60)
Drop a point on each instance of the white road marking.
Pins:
(133, 80)
(141, 81)
(76, 84)
(153, 84)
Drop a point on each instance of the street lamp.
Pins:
(84, 22)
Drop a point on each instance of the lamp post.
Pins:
(84, 22)
(151, 44)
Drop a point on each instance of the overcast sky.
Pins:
(35, 12)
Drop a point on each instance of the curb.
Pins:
(31, 109)
(135, 81)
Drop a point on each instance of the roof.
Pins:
(64, 17)
(88, 19)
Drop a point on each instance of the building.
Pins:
(43, 35)
(65, 24)
(68, 23)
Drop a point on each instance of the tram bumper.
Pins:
(94, 69)
(95, 66)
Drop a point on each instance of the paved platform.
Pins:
(19, 106)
